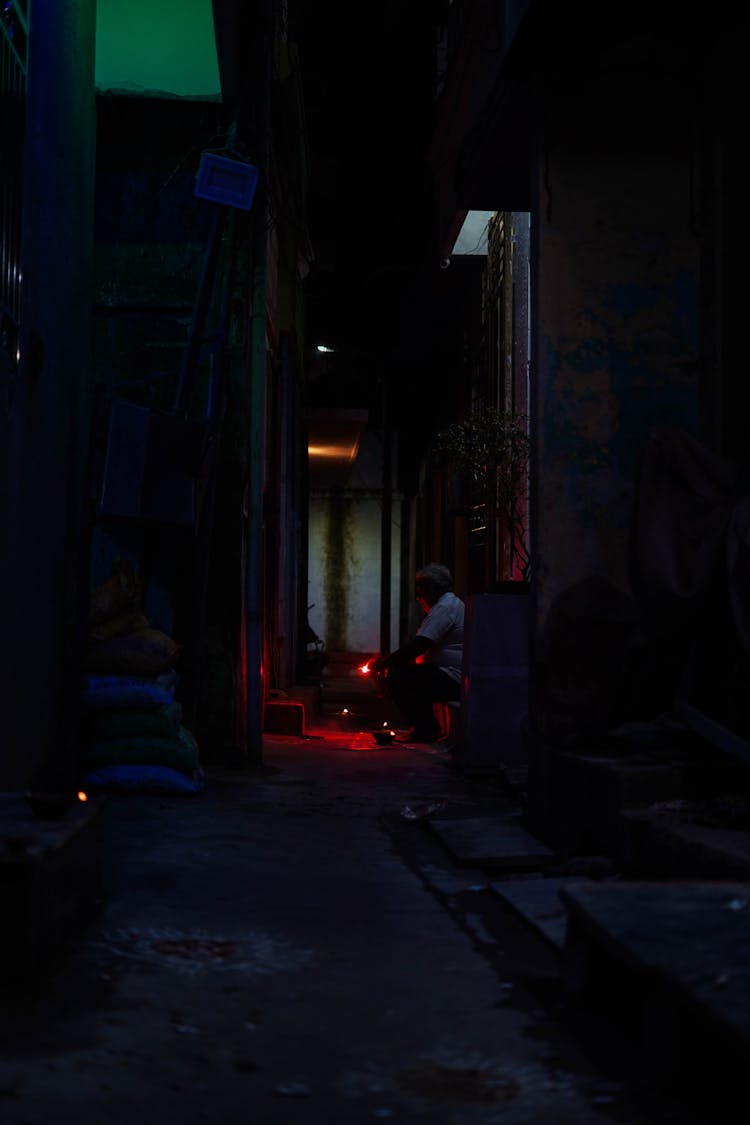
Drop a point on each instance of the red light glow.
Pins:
(365, 669)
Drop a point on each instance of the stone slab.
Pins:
(537, 900)
(665, 844)
(499, 842)
(688, 941)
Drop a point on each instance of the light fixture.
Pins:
(226, 180)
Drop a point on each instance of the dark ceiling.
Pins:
(368, 88)
(369, 82)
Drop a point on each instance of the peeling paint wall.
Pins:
(344, 558)
(344, 570)
(338, 553)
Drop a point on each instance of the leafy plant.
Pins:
(491, 448)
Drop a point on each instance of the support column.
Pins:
(46, 458)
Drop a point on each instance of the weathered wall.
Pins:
(344, 571)
(616, 290)
(345, 556)
(615, 306)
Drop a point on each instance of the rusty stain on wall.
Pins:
(338, 550)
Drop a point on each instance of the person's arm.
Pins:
(407, 654)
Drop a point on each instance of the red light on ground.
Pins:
(364, 669)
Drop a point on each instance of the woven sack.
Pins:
(145, 652)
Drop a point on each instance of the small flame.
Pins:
(82, 796)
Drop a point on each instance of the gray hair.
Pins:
(435, 580)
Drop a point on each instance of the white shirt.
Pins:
(444, 626)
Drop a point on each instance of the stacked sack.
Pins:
(133, 735)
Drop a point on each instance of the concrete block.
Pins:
(668, 962)
(587, 794)
(51, 884)
(495, 681)
(284, 717)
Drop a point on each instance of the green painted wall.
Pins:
(157, 45)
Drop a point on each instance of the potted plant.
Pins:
(489, 448)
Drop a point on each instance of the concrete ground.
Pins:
(294, 945)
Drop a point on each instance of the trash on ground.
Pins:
(422, 811)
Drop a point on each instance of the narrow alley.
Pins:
(295, 308)
(296, 944)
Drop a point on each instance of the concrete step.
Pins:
(668, 960)
(576, 800)
(668, 842)
(497, 842)
(664, 961)
(51, 885)
(536, 900)
(660, 951)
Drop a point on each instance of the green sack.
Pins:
(180, 752)
(132, 722)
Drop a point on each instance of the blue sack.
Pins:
(142, 779)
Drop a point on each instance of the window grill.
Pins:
(493, 309)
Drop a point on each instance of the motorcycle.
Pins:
(316, 657)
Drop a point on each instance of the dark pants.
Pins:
(414, 688)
